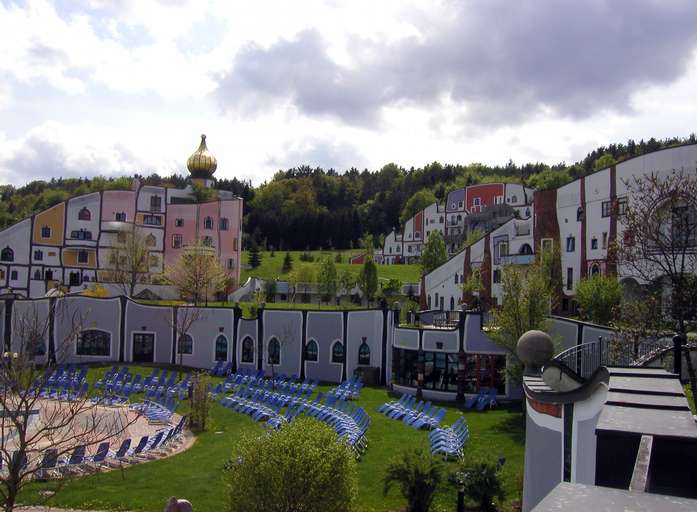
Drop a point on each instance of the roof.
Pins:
(567, 497)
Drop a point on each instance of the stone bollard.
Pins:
(175, 505)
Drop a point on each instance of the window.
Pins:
(683, 230)
(155, 203)
(498, 200)
(178, 223)
(221, 348)
(595, 270)
(580, 214)
(176, 241)
(208, 223)
(37, 274)
(7, 254)
(231, 263)
(570, 244)
(39, 255)
(248, 350)
(45, 232)
(207, 241)
(121, 237)
(224, 223)
(274, 356)
(569, 278)
(84, 214)
(152, 220)
(120, 216)
(607, 208)
(459, 205)
(514, 198)
(234, 244)
(154, 261)
(497, 276)
(185, 344)
(594, 243)
(83, 257)
(94, 342)
(503, 249)
(364, 353)
(13, 275)
(311, 351)
(338, 352)
(604, 240)
(621, 206)
(81, 234)
(456, 281)
(441, 220)
(150, 240)
(417, 235)
(476, 201)
(409, 248)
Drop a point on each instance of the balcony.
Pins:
(518, 259)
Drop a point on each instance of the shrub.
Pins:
(482, 483)
(200, 402)
(598, 297)
(418, 474)
(307, 257)
(287, 263)
(302, 466)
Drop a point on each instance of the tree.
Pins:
(418, 475)
(483, 483)
(659, 240)
(301, 279)
(597, 297)
(346, 282)
(435, 253)
(129, 259)
(254, 258)
(196, 273)
(417, 202)
(604, 161)
(327, 279)
(302, 466)
(287, 264)
(368, 279)
(525, 306)
(31, 424)
(270, 289)
(200, 401)
(183, 321)
(391, 289)
(636, 320)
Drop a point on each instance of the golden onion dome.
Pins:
(201, 163)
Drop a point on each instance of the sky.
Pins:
(110, 88)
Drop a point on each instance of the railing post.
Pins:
(677, 355)
(600, 352)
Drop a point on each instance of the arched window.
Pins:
(208, 223)
(221, 348)
(452, 303)
(595, 270)
(84, 214)
(150, 240)
(456, 281)
(185, 345)
(248, 350)
(94, 342)
(7, 254)
(311, 351)
(580, 214)
(274, 352)
(224, 224)
(525, 249)
(364, 353)
(338, 352)
(429, 302)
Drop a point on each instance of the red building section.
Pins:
(419, 223)
(479, 197)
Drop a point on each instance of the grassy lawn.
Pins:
(197, 474)
(270, 267)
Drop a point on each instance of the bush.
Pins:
(483, 483)
(418, 474)
(598, 297)
(200, 402)
(307, 257)
(302, 466)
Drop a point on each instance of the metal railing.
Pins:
(586, 358)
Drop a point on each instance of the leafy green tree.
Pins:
(254, 258)
(525, 306)
(287, 263)
(346, 282)
(301, 279)
(301, 467)
(597, 297)
(434, 253)
(418, 475)
(270, 289)
(417, 202)
(368, 279)
(327, 278)
(603, 161)
(391, 289)
(483, 483)
(549, 179)
(200, 401)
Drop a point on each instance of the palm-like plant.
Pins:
(418, 474)
(483, 483)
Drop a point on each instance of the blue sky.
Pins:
(96, 87)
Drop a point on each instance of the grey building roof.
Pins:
(568, 497)
(455, 197)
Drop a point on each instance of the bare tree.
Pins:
(659, 245)
(285, 339)
(31, 424)
(129, 259)
(182, 323)
(197, 273)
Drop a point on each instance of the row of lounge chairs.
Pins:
(157, 411)
(221, 369)
(148, 447)
(485, 399)
(67, 374)
(450, 441)
(415, 414)
(349, 389)
(65, 391)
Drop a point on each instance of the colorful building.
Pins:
(72, 243)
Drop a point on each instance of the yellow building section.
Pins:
(150, 219)
(74, 257)
(48, 226)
